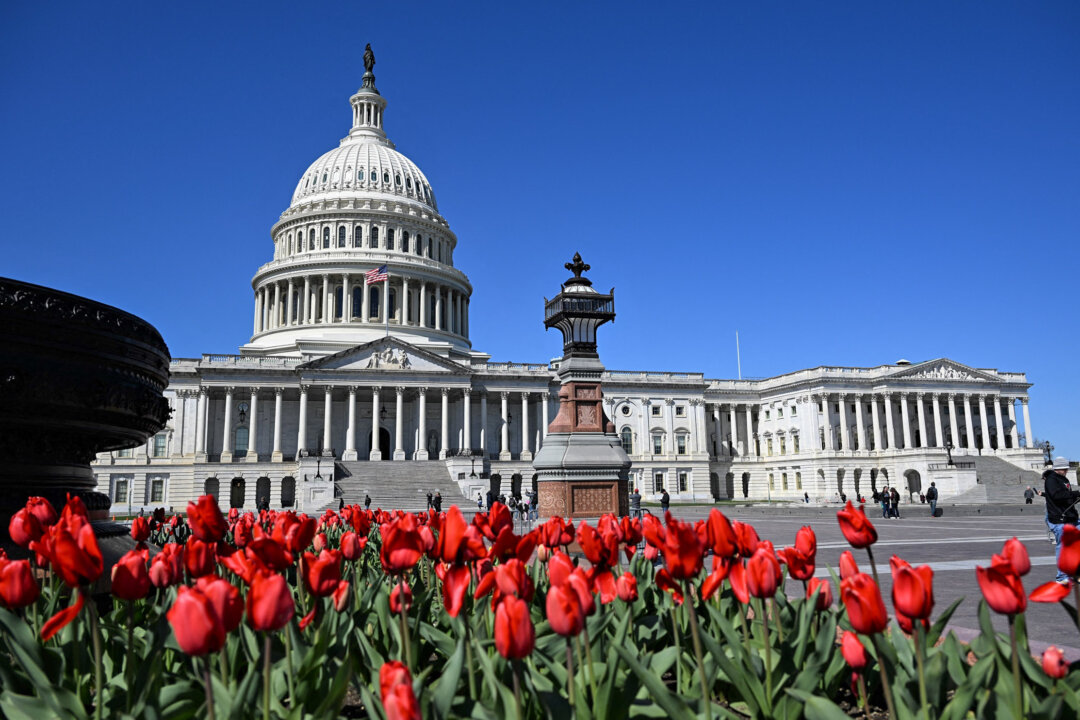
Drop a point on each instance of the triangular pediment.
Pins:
(385, 355)
(944, 370)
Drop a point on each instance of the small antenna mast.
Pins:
(738, 356)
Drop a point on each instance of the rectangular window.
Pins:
(798, 481)
(684, 485)
(680, 411)
(795, 444)
(658, 482)
(121, 483)
(772, 482)
(157, 489)
(768, 445)
(159, 444)
(657, 444)
(680, 444)
(767, 414)
(656, 411)
(779, 412)
(125, 453)
(794, 410)
(783, 480)
(783, 446)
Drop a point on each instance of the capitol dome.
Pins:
(361, 211)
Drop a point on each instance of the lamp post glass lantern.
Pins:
(1048, 449)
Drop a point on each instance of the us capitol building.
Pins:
(347, 388)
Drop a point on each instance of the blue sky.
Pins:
(841, 183)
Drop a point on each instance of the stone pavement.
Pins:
(952, 546)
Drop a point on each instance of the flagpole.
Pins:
(738, 355)
(386, 301)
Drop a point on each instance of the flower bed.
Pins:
(399, 615)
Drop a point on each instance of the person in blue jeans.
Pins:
(931, 497)
(1061, 501)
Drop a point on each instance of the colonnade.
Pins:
(381, 398)
(328, 298)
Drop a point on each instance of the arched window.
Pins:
(627, 438)
(393, 303)
(357, 301)
(405, 241)
(210, 487)
(311, 239)
(408, 184)
(397, 179)
(358, 236)
(236, 493)
(440, 252)
(360, 174)
(428, 253)
(262, 492)
(419, 245)
(326, 237)
(288, 492)
(374, 296)
(374, 176)
(390, 239)
(374, 236)
(341, 236)
(386, 178)
(338, 302)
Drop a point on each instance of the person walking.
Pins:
(437, 501)
(534, 509)
(1029, 495)
(665, 500)
(884, 502)
(931, 497)
(429, 496)
(479, 502)
(1061, 501)
(894, 502)
(367, 501)
(635, 503)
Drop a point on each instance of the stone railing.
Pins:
(244, 361)
(512, 367)
(633, 375)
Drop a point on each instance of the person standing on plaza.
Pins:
(479, 502)
(665, 500)
(437, 501)
(931, 497)
(1029, 495)
(429, 496)
(635, 503)
(534, 509)
(894, 503)
(884, 502)
(367, 501)
(1061, 501)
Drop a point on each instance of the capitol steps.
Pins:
(1000, 482)
(398, 485)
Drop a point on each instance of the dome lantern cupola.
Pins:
(368, 105)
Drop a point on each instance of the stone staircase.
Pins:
(398, 485)
(1000, 482)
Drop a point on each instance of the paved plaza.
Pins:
(951, 546)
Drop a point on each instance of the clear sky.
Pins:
(841, 183)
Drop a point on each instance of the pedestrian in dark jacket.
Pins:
(1061, 501)
(367, 501)
(665, 500)
(894, 503)
(931, 497)
(437, 501)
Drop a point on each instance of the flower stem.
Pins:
(209, 690)
(570, 676)
(873, 566)
(768, 657)
(99, 701)
(266, 677)
(129, 666)
(517, 689)
(706, 696)
(588, 659)
(885, 687)
(920, 650)
(405, 627)
(1018, 688)
(862, 695)
(678, 650)
(288, 661)
(469, 660)
(776, 617)
(745, 628)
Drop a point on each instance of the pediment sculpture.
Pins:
(945, 372)
(389, 359)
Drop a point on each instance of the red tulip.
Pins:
(800, 565)
(402, 545)
(580, 583)
(512, 578)
(293, 532)
(341, 596)
(195, 623)
(200, 558)
(71, 548)
(225, 599)
(848, 566)
(737, 578)
(719, 534)
(166, 568)
(666, 582)
(824, 593)
(559, 568)
(862, 598)
(60, 620)
(458, 541)
(455, 584)
(1053, 662)
(269, 603)
(24, 528)
(746, 538)
(17, 586)
(1017, 555)
(858, 531)
(601, 551)
(682, 550)
(205, 518)
(762, 573)
(556, 533)
(603, 582)
(854, 651)
(130, 580)
(352, 546)
(43, 510)
(400, 595)
(563, 610)
(515, 635)
(1001, 587)
(907, 624)
(806, 542)
(626, 587)
(1069, 560)
(323, 573)
(398, 697)
(913, 591)
(1050, 592)
(140, 529)
(711, 584)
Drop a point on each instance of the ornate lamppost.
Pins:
(948, 449)
(1047, 448)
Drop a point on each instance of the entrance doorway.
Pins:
(236, 493)
(384, 443)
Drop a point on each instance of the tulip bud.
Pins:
(1053, 662)
(854, 652)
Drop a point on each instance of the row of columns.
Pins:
(285, 303)
(201, 397)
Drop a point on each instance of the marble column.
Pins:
(733, 431)
(953, 421)
(306, 304)
(526, 443)
(178, 433)
(365, 300)
(860, 425)
(438, 307)
(984, 426)
(253, 428)
(719, 446)
(826, 423)
(350, 429)
(444, 443)
(845, 431)
(404, 301)
(545, 400)
(939, 436)
(326, 299)
(277, 305)
(301, 434)
(890, 430)
(376, 453)
(276, 453)
(969, 423)
(422, 315)
(905, 417)
(999, 425)
(346, 299)
(289, 304)
(924, 439)
(399, 425)
(751, 449)
(466, 418)
(1014, 430)
(483, 423)
(504, 435)
(875, 418)
(327, 408)
(421, 452)
(226, 441)
(258, 311)
(1029, 439)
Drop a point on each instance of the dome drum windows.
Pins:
(341, 236)
(374, 237)
(326, 237)
(358, 236)
(311, 239)
(404, 241)
(390, 239)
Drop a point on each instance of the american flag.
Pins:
(377, 275)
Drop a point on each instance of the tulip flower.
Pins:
(1050, 592)
(737, 578)
(323, 573)
(626, 587)
(515, 635)
(848, 566)
(1053, 663)
(71, 549)
(563, 610)
(352, 545)
(858, 531)
(854, 651)
(559, 567)
(402, 545)
(225, 599)
(800, 565)
(862, 598)
(665, 582)
(682, 550)
(269, 603)
(17, 585)
(130, 580)
(1017, 555)
(580, 583)
(200, 558)
(746, 538)
(806, 542)
(1001, 587)
(205, 518)
(455, 585)
(166, 568)
(401, 598)
(1069, 559)
(458, 541)
(140, 529)
(720, 536)
(195, 623)
(340, 597)
(602, 551)
(823, 588)
(43, 510)
(913, 591)
(24, 528)
(762, 573)
(398, 698)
